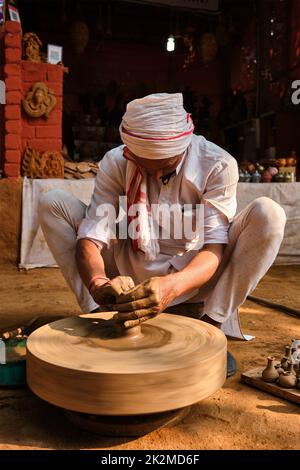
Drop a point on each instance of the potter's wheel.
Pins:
(83, 365)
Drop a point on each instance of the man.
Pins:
(163, 162)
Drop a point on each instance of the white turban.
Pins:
(157, 126)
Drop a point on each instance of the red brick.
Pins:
(13, 156)
(13, 40)
(36, 74)
(13, 83)
(13, 97)
(46, 144)
(33, 66)
(55, 117)
(13, 27)
(55, 75)
(48, 132)
(12, 170)
(12, 142)
(13, 56)
(28, 131)
(12, 111)
(59, 104)
(56, 87)
(12, 69)
(25, 144)
(13, 127)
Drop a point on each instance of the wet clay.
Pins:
(85, 364)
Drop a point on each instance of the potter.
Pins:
(163, 162)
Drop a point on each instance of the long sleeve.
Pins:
(100, 219)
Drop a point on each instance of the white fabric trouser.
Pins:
(255, 236)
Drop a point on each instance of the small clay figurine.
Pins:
(39, 101)
(287, 380)
(270, 374)
(284, 363)
(32, 44)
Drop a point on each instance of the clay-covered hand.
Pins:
(144, 301)
(107, 293)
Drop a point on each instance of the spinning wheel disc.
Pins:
(80, 364)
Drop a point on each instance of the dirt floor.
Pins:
(236, 417)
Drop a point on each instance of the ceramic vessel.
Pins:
(256, 177)
(288, 353)
(284, 363)
(266, 177)
(291, 368)
(287, 380)
(270, 374)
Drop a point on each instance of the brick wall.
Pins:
(21, 130)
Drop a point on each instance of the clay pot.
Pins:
(284, 363)
(281, 161)
(241, 176)
(79, 36)
(279, 177)
(273, 170)
(288, 177)
(251, 168)
(247, 177)
(256, 177)
(288, 353)
(290, 162)
(270, 374)
(260, 168)
(291, 368)
(266, 177)
(287, 380)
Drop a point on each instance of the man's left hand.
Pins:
(145, 301)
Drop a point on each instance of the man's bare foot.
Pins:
(209, 320)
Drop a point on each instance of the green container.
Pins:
(13, 371)
(13, 374)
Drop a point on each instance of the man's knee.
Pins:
(269, 216)
(50, 202)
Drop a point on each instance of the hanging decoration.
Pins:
(248, 67)
(188, 41)
(79, 36)
(208, 47)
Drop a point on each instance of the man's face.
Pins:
(155, 168)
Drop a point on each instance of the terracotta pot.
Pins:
(270, 374)
(284, 363)
(267, 177)
(290, 162)
(287, 380)
(281, 161)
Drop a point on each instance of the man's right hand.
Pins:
(106, 293)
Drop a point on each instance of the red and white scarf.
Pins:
(154, 127)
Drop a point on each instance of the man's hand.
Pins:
(144, 301)
(107, 293)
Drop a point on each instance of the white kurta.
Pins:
(207, 175)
